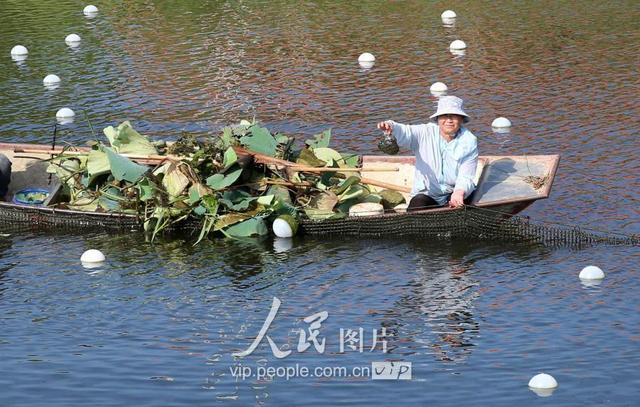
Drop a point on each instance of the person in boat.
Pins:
(446, 155)
(5, 176)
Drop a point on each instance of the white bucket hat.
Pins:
(450, 105)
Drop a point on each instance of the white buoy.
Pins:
(366, 209)
(366, 57)
(65, 113)
(65, 116)
(72, 40)
(19, 50)
(90, 10)
(448, 14)
(501, 122)
(92, 256)
(591, 273)
(438, 89)
(51, 79)
(367, 60)
(285, 226)
(458, 45)
(543, 381)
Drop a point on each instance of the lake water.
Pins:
(158, 324)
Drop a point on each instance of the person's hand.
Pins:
(457, 199)
(385, 127)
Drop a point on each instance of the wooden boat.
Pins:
(505, 185)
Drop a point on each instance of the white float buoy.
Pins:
(591, 273)
(367, 60)
(72, 39)
(51, 79)
(543, 381)
(65, 113)
(366, 57)
(366, 209)
(438, 89)
(458, 45)
(448, 14)
(19, 50)
(285, 226)
(92, 256)
(501, 122)
(90, 10)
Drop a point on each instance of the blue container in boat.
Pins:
(31, 196)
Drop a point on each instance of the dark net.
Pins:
(467, 223)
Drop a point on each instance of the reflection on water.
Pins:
(446, 299)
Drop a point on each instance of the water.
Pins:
(159, 322)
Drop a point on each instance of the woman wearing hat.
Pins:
(446, 155)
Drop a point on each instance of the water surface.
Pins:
(159, 322)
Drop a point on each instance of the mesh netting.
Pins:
(467, 223)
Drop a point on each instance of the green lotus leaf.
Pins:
(324, 201)
(250, 227)
(174, 180)
(146, 189)
(391, 199)
(230, 158)
(351, 160)
(372, 198)
(354, 191)
(266, 200)
(319, 214)
(327, 154)
(125, 140)
(260, 141)
(352, 180)
(281, 193)
(221, 181)
(307, 157)
(320, 140)
(97, 164)
(123, 168)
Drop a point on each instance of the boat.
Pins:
(506, 185)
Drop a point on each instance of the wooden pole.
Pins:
(258, 158)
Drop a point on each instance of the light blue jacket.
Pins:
(441, 166)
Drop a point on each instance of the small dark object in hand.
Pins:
(388, 145)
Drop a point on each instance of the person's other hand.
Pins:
(457, 199)
(385, 127)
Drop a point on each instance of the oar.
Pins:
(158, 158)
(268, 160)
(136, 157)
(257, 157)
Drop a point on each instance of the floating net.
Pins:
(468, 223)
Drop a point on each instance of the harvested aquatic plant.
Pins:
(235, 183)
